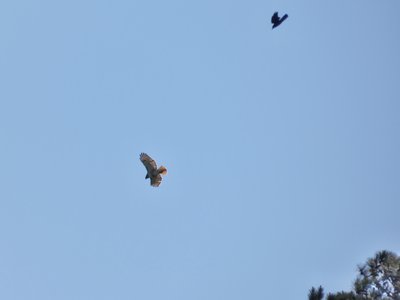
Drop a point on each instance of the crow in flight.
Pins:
(276, 20)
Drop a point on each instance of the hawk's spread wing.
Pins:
(155, 180)
(152, 172)
(148, 162)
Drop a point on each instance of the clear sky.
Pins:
(282, 147)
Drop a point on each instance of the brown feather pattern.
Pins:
(152, 172)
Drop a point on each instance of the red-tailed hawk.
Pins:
(152, 172)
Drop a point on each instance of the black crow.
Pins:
(276, 20)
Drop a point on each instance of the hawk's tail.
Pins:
(162, 170)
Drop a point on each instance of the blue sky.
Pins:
(282, 147)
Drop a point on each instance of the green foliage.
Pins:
(378, 279)
(316, 294)
(343, 296)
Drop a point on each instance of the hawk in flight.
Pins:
(276, 20)
(152, 172)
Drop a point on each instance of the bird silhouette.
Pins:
(276, 20)
(152, 171)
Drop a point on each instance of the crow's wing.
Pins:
(284, 18)
(275, 18)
